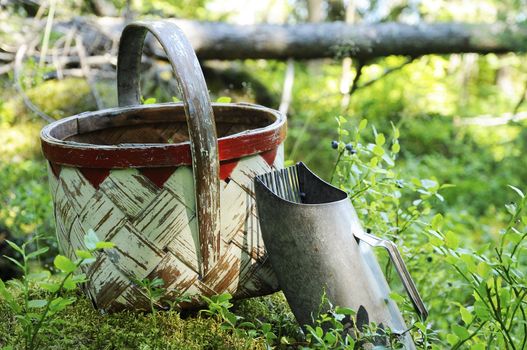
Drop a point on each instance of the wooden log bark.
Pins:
(215, 40)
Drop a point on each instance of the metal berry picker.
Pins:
(317, 246)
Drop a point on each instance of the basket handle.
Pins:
(199, 115)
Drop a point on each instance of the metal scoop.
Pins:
(317, 245)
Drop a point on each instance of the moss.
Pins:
(62, 98)
(272, 309)
(82, 327)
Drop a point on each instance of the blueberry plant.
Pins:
(35, 312)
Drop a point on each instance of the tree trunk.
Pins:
(214, 40)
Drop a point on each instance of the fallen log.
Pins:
(224, 41)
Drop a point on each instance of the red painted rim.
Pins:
(71, 153)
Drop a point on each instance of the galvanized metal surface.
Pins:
(153, 180)
(311, 232)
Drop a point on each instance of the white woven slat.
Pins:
(259, 280)
(106, 282)
(225, 274)
(128, 190)
(177, 275)
(249, 238)
(185, 245)
(134, 255)
(64, 208)
(181, 185)
(233, 210)
(102, 216)
(163, 219)
(279, 160)
(76, 187)
(52, 179)
(133, 295)
(63, 234)
(247, 169)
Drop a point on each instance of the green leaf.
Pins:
(104, 245)
(344, 310)
(157, 282)
(224, 99)
(378, 150)
(363, 123)
(91, 240)
(60, 304)
(37, 303)
(396, 147)
(64, 264)
(39, 276)
(396, 297)
(483, 269)
(451, 240)
(517, 190)
(396, 133)
(14, 261)
(246, 325)
(84, 254)
(37, 252)
(380, 139)
(223, 297)
(446, 186)
(435, 239)
(8, 297)
(466, 315)
(511, 208)
(71, 282)
(452, 339)
(428, 184)
(437, 222)
(15, 247)
(149, 101)
(421, 326)
(461, 332)
(50, 287)
(175, 99)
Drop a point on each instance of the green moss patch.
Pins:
(80, 326)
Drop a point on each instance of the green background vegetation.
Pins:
(451, 236)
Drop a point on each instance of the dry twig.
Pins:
(19, 58)
(287, 91)
(87, 73)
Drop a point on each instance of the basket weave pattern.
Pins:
(155, 232)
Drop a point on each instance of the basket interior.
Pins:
(156, 124)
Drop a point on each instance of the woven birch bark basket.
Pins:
(170, 184)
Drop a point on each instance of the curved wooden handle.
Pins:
(200, 119)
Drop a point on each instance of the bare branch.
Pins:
(521, 100)
(19, 58)
(490, 120)
(287, 91)
(360, 65)
(386, 73)
(87, 73)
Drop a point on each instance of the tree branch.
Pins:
(386, 73)
(18, 85)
